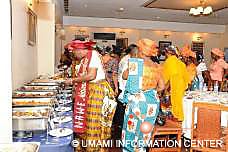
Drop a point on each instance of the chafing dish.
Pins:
(33, 94)
(39, 87)
(43, 84)
(32, 101)
(30, 118)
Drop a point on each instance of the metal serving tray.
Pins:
(33, 101)
(31, 112)
(33, 94)
(30, 124)
(43, 84)
(27, 121)
(39, 87)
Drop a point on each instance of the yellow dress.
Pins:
(175, 72)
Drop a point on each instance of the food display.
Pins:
(43, 84)
(30, 118)
(28, 94)
(38, 87)
(31, 112)
(32, 101)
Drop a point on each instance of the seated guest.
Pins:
(176, 78)
(217, 67)
(91, 119)
(144, 80)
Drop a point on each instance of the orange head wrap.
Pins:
(148, 47)
(187, 52)
(218, 52)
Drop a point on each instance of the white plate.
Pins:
(66, 101)
(64, 119)
(60, 132)
(63, 109)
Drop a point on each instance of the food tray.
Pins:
(32, 101)
(31, 112)
(43, 84)
(32, 94)
(30, 118)
(38, 87)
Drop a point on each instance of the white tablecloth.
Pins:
(187, 123)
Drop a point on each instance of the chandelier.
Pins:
(201, 10)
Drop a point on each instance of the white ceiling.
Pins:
(134, 10)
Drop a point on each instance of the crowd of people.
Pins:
(137, 81)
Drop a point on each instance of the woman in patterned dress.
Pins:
(144, 79)
(93, 113)
(111, 69)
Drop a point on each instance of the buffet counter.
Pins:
(42, 113)
(218, 99)
(52, 143)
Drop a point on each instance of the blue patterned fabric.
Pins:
(195, 84)
(141, 106)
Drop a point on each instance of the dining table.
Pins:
(217, 98)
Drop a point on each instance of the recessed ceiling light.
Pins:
(121, 9)
(85, 5)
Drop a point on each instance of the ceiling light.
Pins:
(207, 10)
(200, 10)
(121, 9)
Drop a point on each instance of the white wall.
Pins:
(142, 24)
(46, 38)
(30, 61)
(224, 41)
(5, 77)
(211, 40)
(24, 56)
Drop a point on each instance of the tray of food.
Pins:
(30, 118)
(31, 112)
(20, 147)
(33, 94)
(38, 87)
(43, 84)
(33, 101)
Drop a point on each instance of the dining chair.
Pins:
(208, 126)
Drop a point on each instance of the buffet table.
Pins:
(208, 97)
(51, 144)
(51, 126)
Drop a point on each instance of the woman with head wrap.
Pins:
(218, 66)
(189, 58)
(176, 78)
(92, 117)
(111, 69)
(143, 81)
